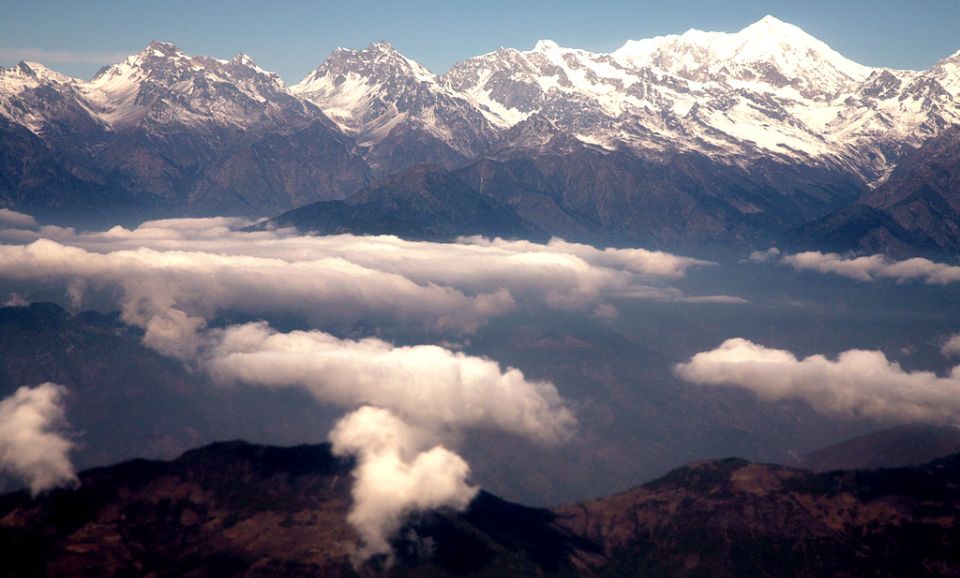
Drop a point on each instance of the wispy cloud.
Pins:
(60, 56)
(10, 218)
(863, 268)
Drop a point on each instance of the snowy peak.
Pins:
(767, 91)
(389, 101)
(159, 60)
(241, 59)
(152, 60)
(947, 73)
(30, 74)
(792, 49)
(546, 46)
(36, 97)
(157, 49)
(162, 84)
(40, 73)
(378, 64)
(771, 29)
(357, 86)
(768, 52)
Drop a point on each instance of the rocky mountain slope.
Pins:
(684, 203)
(237, 509)
(165, 131)
(399, 112)
(424, 202)
(918, 207)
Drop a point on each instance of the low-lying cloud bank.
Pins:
(175, 275)
(409, 406)
(857, 383)
(32, 445)
(866, 268)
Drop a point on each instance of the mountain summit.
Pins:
(397, 109)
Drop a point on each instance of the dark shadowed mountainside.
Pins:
(916, 210)
(685, 202)
(237, 509)
(734, 518)
(423, 202)
(907, 445)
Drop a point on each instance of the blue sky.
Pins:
(77, 37)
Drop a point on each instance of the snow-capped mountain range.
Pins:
(769, 90)
(201, 134)
(166, 130)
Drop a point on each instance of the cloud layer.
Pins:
(32, 447)
(175, 275)
(866, 268)
(408, 405)
(857, 383)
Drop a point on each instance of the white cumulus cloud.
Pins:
(400, 470)
(952, 346)
(411, 400)
(427, 385)
(32, 447)
(409, 404)
(858, 383)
